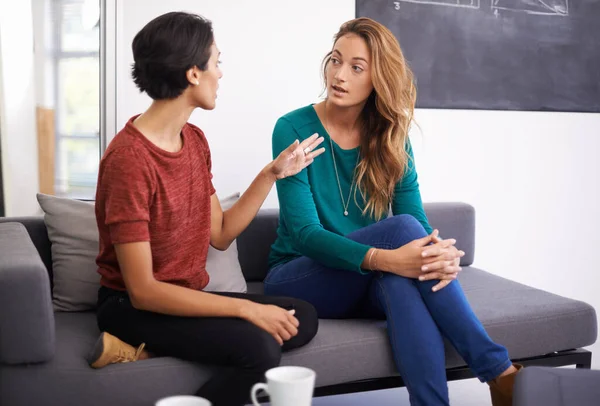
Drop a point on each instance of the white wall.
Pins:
(44, 66)
(534, 181)
(271, 52)
(532, 177)
(17, 109)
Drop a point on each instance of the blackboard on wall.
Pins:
(534, 55)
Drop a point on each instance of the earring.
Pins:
(197, 83)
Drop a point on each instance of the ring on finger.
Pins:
(306, 150)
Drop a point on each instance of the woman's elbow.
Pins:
(141, 296)
(221, 245)
(300, 243)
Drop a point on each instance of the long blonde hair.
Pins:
(386, 116)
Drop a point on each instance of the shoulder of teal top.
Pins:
(301, 115)
(297, 124)
(303, 120)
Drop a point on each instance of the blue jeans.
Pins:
(417, 317)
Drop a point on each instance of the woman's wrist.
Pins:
(368, 258)
(376, 259)
(268, 172)
(391, 261)
(242, 308)
(384, 260)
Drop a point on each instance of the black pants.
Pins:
(245, 349)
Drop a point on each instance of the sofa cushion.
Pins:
(26, 319)
(68, 380)
(73, 233)
(545, 386)
(529, 322)
(223, 266)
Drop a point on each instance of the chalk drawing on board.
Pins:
(450, 3)
(540, 7)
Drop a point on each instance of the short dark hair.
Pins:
(166, 48)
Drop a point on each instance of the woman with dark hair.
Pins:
(338, 249)
(157, 212)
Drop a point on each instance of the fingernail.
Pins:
(434, 289)
(421, 278)
(424, 268)
(293, 311)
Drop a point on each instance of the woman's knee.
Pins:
(395, 284)
(409, 222)
(402, 229)
(309, 322)
(261, 353)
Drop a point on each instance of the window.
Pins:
(70, 47)
(77, 119)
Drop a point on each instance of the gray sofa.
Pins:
(545, 386)
(42, 352)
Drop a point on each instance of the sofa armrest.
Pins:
(455, 220)
(26, 313)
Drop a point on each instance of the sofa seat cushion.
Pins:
(529, 322)
(68, 379)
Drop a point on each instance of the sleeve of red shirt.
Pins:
(206, 148)
(128, 187)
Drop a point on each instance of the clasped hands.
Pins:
(432, 258)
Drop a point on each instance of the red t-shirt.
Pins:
(145, 193)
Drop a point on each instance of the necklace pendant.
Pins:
(346, 213)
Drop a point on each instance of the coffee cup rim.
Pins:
(272, 374)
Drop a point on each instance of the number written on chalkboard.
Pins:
(536, 7)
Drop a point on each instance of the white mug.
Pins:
(183, 401)
(287, 386)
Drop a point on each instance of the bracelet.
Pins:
(375, 266)
(370, 258)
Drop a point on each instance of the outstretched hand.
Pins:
(297, 157)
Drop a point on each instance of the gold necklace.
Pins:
(345, 204)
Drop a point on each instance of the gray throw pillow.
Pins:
(223, 266)
(73, 233)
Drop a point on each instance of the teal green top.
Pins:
(311, 219)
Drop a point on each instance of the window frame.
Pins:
(106, 57)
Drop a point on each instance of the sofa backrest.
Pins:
(39, 235)
(254, 244)
(454, 220)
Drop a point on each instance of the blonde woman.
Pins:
(338, 249)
